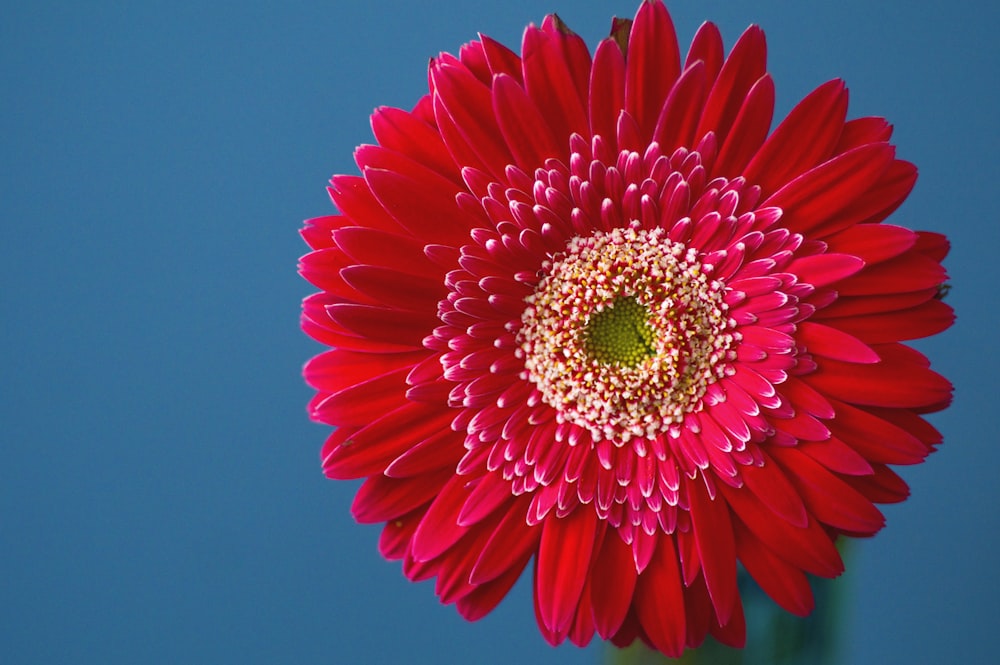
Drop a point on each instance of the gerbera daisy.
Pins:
(587, 311)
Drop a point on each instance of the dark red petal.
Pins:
(491, 492)
(659, 600)
(910, 272)
(582, 628)
(318, 232)
(876, 439)
(612, 583)
(338, 369)
(888, 192)
(607, 89)
(363, 402)
(933, 245)
(924, 320)
(803, 139)
(404, 132)
(783, 582)
(501, 59)
(564, 556)
(822, 269)
(734, 633)
(769, 484)
(746, 63)
(809, 549)
(849, 306)
(706, 46)
(381, 499)
(549, 82)
(381, 248)
(396, 534)
(512, 539)
(837, 456)
(384, 324)
(440, 450)
(369, 449)
(895, 381)
(652, 66)
(394, 288)
(820, 193)
(524, 129)
(469, 104)
(681, 111)
(872, 242)
(353, 197)
(885, 486)
(749, 129)
(713, 532)
(423, 208)
(828, 497)
(439, 528)
(860, 131)
(485, 597)
(833, 343)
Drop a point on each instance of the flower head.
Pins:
(591, 311)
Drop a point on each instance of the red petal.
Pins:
(716, 549)
(786, 584)
(652, 66)
(380, 499)
(403, 132)
(511, 540)
(501, 59)
(746, 63)
(820, 193)
(828, 497)
(832, 343)
(481, 601)
(837, 456)
(895, 381)
(394, 288)
(361, 403)
(803, 139)
(770, 485)
(659, 601)
(384, 324)
(706, 46)
(924, 320)
(469, 104)
(369, 449)
(863, 130)
(381, 248)
(607, 89)
(910, 272)
(822, 269)
(876, 439)
(613, 579)
(549, 82)
(439, 528)
(524, 129)
(749, 129)
(421, 207)
(564, 556)
(872, 242)
(809, 549)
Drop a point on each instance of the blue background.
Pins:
(161, 498)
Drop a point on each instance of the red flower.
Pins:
(588, 311)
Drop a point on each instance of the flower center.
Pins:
(620, 333)
(624, 333)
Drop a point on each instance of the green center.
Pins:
(620, 333)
